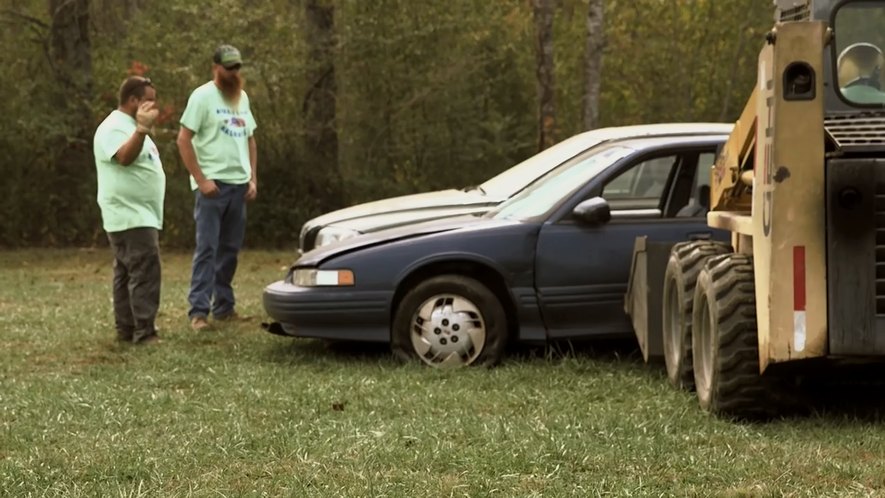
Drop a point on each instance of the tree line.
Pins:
(355, 99)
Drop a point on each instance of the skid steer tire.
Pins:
(686, 262)
(725, 342)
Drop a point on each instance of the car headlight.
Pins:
(328, 235)
(311, 277)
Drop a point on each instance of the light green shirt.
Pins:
(129, 196)
(221, 135)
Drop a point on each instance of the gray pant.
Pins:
(136, 282)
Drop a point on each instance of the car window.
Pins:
(640, 187)
(514, 179)
(702, 178)
(557, 185)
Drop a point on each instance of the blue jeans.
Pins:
(221, 227)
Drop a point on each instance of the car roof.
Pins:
(654, 142)
(620, 132)
(514, 179)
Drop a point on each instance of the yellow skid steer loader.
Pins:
(800, 185)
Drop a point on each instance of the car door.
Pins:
(581, 271)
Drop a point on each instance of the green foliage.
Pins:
(688, 60)
(430, 98)
(430, 95)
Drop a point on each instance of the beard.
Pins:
(230, 84)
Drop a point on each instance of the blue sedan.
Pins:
(550, 263)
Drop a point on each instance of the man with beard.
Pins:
(131, 189)
(217, 145)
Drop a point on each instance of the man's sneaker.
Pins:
(199, 323)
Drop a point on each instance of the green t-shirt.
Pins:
(863, 94)
(129, 196)
(221, 135)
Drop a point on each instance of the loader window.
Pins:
(641, 186)
(860, 65)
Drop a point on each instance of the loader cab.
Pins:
(853, 71)
(853, 79)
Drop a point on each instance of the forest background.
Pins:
(355, 99)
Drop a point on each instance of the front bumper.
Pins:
(342, 313)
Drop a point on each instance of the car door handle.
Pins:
(700, 235)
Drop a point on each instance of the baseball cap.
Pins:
(228, 56)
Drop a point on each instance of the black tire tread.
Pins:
(688, 259)
(739, 390)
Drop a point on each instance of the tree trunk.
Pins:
(111, 19)
(543, 16)
(132, 8)
(319, 102)
(735, 68)
(593, 64)
(70, 57)
(71, 51)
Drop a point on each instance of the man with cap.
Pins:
(217, 145)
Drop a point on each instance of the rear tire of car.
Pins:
(450, 320)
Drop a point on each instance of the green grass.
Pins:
(240, 412)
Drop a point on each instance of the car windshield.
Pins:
(559, 183)
(516, 178)
(859, 42)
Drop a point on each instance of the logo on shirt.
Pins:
(233, 125)
(153, 154)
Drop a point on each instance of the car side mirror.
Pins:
(595, 211)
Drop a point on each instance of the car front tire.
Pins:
(450, 321)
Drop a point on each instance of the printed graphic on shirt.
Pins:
(153, 153)
(233, 125)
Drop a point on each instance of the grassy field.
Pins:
(239, 412)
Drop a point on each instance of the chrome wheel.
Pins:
(705, 330)
(448, 331)
(672, 340)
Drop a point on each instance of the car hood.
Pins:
(320, 254)
(385, 221)
(406, 203)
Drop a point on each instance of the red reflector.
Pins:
(799, 278)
